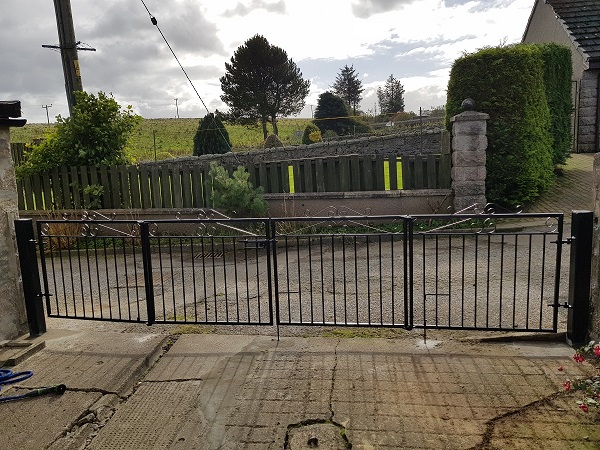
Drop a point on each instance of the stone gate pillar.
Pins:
(469, 144)
(13, 318)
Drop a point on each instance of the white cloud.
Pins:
(416, 40)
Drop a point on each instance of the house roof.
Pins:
(581, 18)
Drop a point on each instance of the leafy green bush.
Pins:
(211, 136)
(235, 194)
(95, 134)
(311, 134)
(508, 84)
(272, 141)
(95, 193)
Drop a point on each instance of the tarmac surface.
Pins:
(136, 387)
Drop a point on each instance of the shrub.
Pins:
(96, 134)
(332, 114)
(94, 192)
(272, 141)
(329, 134)
(360, 127)
(311, 134)
(211, 136)
(508, 84)
(235, 194)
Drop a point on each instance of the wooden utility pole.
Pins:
(68, 49)
(47, 114)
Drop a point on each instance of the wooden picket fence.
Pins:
(183, 186)
(17, 151)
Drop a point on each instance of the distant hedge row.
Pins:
(526, 90)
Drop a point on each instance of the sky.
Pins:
(416, 41)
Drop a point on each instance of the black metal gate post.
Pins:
(580, 277)
(148, 279)
(30, 276)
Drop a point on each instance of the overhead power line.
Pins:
(155, 23)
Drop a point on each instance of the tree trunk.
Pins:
(264, 127)
(274, 123)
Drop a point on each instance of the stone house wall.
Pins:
(587, 120)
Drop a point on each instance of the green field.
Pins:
(167, 138)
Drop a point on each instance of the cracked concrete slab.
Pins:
(92, 361)
(254, 392)
(36, 423)
(226, 392)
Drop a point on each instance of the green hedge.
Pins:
(508, 84)
(558, 73)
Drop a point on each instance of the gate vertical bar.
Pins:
(272, 275)
(580, 271)
(408, 273)
(559, 244)
(30, 276)
(148, 280)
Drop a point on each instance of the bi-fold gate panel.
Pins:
(476, 271)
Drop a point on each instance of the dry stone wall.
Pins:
(429, 142)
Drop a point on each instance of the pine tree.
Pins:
(391, 96)
(348, 86)
(261, 83)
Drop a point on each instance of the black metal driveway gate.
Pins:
(466, 271)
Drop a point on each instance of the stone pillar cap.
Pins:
(469, 116)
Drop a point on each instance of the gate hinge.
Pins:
(560, 305)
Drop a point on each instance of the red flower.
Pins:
(567, 385)
(578, 357)
(560, 368)
(597, 350)
(584, 407)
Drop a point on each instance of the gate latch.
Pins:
(567, 241)
(255, 243)
(560, 305)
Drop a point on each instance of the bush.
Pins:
(360, 127)
(211, 136)
(311, 134)
(235, 194)
(272, 141)
(508, 84)
(332, 114)
(96, 134)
